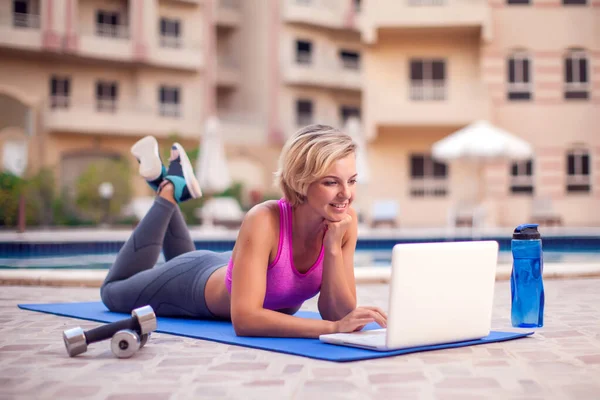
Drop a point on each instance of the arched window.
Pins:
(578, 169)
(577, 80)
(520, 80)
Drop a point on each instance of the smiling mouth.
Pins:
(339, 206)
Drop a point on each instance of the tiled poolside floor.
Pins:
(561, 361)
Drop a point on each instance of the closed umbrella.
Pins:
(354, 130)
(211, 167)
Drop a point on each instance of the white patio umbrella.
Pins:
(211, 166)
(353, 129)
(478, 144)
(482, 141)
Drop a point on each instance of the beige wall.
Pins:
(476, 72)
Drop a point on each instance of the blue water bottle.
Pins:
(526, 284)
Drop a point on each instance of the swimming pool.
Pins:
(370, 251)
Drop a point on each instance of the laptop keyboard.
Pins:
(373, 339)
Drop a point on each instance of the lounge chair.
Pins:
(384, 212)
(543, 213)
(225, 211)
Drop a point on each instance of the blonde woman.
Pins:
(286, 252)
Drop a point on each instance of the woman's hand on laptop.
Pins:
(359, 317)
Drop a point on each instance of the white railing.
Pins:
(519, 87)
(521, 180)
(31, 21)
(59, 101)
(579, 179)
(426, 2)
(113, 31)
(429, 186)
(169, 109)
(106, 105)
(173, 42)
(304, 57)
(577, 86)
(428, 90)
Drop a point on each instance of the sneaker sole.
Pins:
(188, 172)
(146, 151)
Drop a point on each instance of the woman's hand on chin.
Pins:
(335, 230)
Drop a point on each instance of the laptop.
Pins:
(439, 293)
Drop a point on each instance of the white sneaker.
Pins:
(151, 168)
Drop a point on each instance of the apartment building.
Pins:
(530, 67)
(84, 79)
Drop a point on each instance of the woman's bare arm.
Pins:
(249, 281)
(338, 289)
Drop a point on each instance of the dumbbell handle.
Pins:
(106, 331)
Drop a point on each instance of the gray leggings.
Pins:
(173, 289)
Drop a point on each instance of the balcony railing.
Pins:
(30, 21)
(170, 110)
(428, 90)
(59, 101)
(112, 31)
(426, 2)
(173, 42)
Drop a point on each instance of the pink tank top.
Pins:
(286, 287)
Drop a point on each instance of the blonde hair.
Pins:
(306, 157)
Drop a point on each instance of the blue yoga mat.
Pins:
(222, 331)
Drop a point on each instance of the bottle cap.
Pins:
(526, 232)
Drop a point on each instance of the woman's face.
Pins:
(331, 195)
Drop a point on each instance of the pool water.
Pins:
(363, 258)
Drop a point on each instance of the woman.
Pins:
(273, 268)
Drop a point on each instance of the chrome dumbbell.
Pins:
(142, 322)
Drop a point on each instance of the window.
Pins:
(518, 1)
(304, 112)
(106, 96)
(578, 171)
(519, 77)
(169, 100)
(170, 32)
(576, 75)
(350, 59)
(357, 4)
(521, 177)
(303, 52)
(427, 79)
(349, 111)
(60, 89)
(108, 24)
(574, 2)
(427, 176)
(25, 14)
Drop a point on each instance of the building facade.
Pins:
(82, 80)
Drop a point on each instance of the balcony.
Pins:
(177, 53)
(429, 105)
(21, 31)
(399, 16)
(107, 42)
(118, 118)
(335, 74)
(228, 72)
(228, 13)
(322, 13)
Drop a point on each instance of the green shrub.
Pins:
(88, 199)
